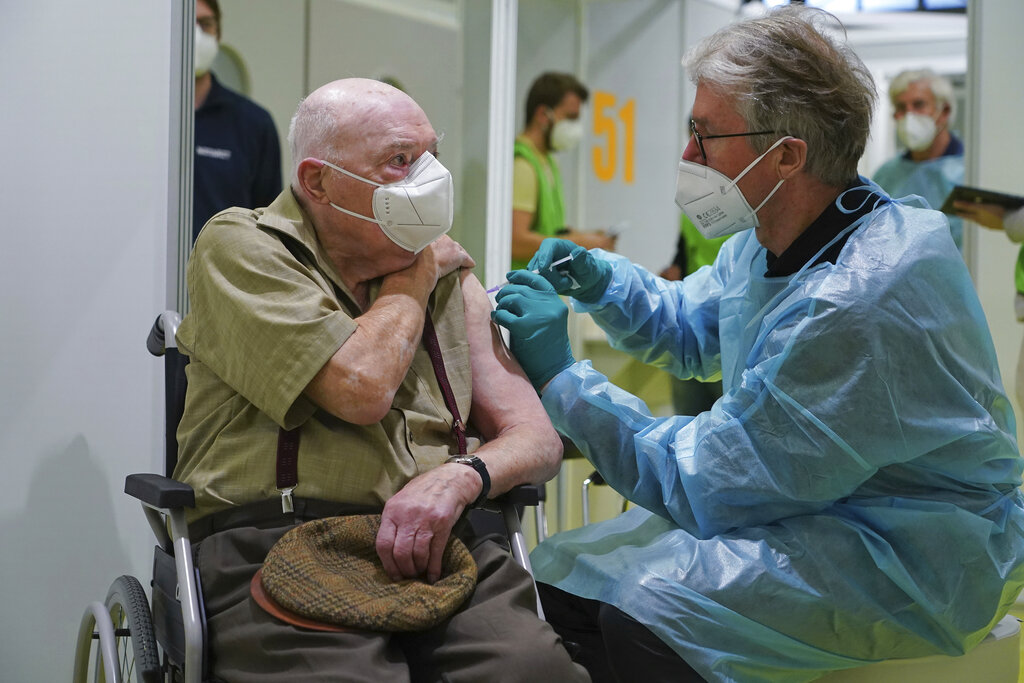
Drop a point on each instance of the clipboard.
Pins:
(973, 194)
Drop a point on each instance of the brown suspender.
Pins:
(434, 351)
(288, 439)
(287, 465)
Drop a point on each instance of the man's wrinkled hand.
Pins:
(418, 520)
(442, 256)
(447, 255)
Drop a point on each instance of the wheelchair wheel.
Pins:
(125, 643)
(133, 628)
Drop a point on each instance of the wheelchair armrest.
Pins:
(159, 491)
(523, 494)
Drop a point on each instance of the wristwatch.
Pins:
(481, 469)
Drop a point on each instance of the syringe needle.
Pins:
(559, 262)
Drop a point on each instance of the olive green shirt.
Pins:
(267, 312)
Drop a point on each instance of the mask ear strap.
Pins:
(755, 161)
(350, 174)
(774, 189)
(353, 213)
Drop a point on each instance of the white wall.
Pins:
(270, 37)
(83, 183)
(633, 55)
(995, 149)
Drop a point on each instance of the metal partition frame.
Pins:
(501, 127)
(181, 82)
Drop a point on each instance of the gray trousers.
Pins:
(494, 637)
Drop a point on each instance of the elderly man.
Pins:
(933, 163)
(304, 338)
(853, 496)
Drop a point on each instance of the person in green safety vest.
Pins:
(538, 205)
(996, 217)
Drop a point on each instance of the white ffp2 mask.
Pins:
(916, 131)
(414, 211)
(204, 51)
(714, 202)
(566, 134)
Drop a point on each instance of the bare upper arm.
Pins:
(502, 395)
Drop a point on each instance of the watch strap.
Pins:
(481, 469)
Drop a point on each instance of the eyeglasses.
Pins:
(701, 138)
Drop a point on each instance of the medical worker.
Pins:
(853, 495)
(933, 163)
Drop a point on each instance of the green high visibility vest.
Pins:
(700, 251)
(1018, 271)
(549, 217)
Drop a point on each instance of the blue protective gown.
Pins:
(853, 495)
(933, 180)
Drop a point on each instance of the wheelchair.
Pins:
(127, 637)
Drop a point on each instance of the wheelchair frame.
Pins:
(130, 632)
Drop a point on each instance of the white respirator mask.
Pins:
(566, 134)
(414, 211)
(713, 202)
(204, 51)
(916, 131)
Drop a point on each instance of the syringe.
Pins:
(559, 262)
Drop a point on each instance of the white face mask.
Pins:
(566, 134)
(916, 131)
(205, 51)
(713, 202)
(414, 211)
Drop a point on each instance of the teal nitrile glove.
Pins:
(584, 278)
(536, 320)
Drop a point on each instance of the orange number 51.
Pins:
(605, 157)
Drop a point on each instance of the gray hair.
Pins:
(786, 73)
(941, 87)
(313, 132)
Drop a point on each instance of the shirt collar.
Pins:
(286, 217)
(823, 230)
(216, 96)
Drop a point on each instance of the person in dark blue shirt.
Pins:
(237, 151)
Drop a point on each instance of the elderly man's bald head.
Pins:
(344, 118)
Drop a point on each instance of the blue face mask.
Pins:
(414, 211)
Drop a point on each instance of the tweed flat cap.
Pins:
(327, 571)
